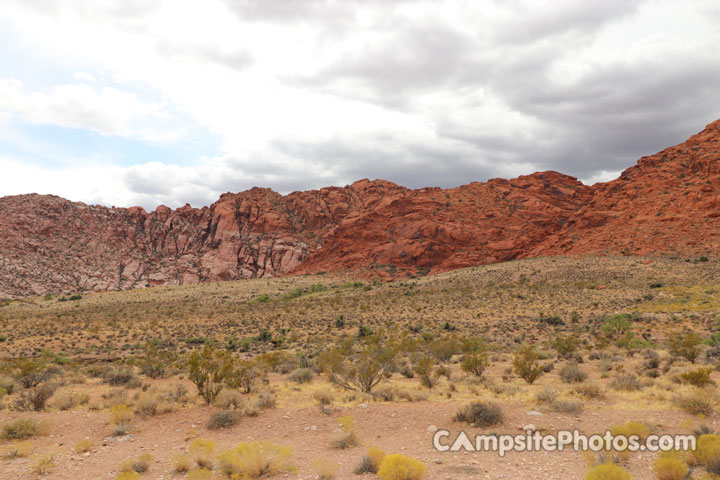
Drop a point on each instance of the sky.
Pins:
(149, 102)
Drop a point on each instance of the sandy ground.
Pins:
(395, 427)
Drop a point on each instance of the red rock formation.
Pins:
(667, 203)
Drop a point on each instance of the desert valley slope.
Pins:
(669, 203)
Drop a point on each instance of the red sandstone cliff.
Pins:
(667, 203)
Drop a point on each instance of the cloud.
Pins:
(299, 94)
(105, 110)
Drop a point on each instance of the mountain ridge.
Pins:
(668, 203)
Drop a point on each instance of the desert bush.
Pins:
(84, 446)
(138, 465)
(571, 373)
(608, 471)
(696, 403)
(589, 390)
(200, 474)
(209, 369)
(266, 400)
(386, 393)
(346, 438)
(325, 469)
(150, 404)
(628, 429)
(65, 400)
(7, 384)
(128, 476)
(44, 464)
(121, 376)
(475, 363)
(114, 397)
(20, 428)
(567, 406)
(202, 451)
(616, 326)
(256, 460)
(480, 414)
(565, 345)
(301, 375)
(525, 364)
(343, 440)
(546, 395)
(360, 364)
(371, 461)
(699, 377)
(35, 398)
(443, 348)
(686, 346)
(400, 467)
(707, 449)
(16, 450)
(626, 382)
(182, 463)
(120, 414)
(223, 419)
(324, 398)
(119, 429)
(244, 374)
(669, 468)
(229, 399)
(424, 367)
(155, 362)
(31, 372)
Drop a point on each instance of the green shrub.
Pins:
(243, 374)
(360, 364)
(686, 346)
(525, 364)
(565, 346)
(475, 363)
(209, 370)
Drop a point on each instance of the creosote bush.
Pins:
(209, 369)
(360, 364)
(525, 364)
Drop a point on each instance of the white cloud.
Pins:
(104, 110)
(305, 93)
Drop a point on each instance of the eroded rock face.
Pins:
(667, 203)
